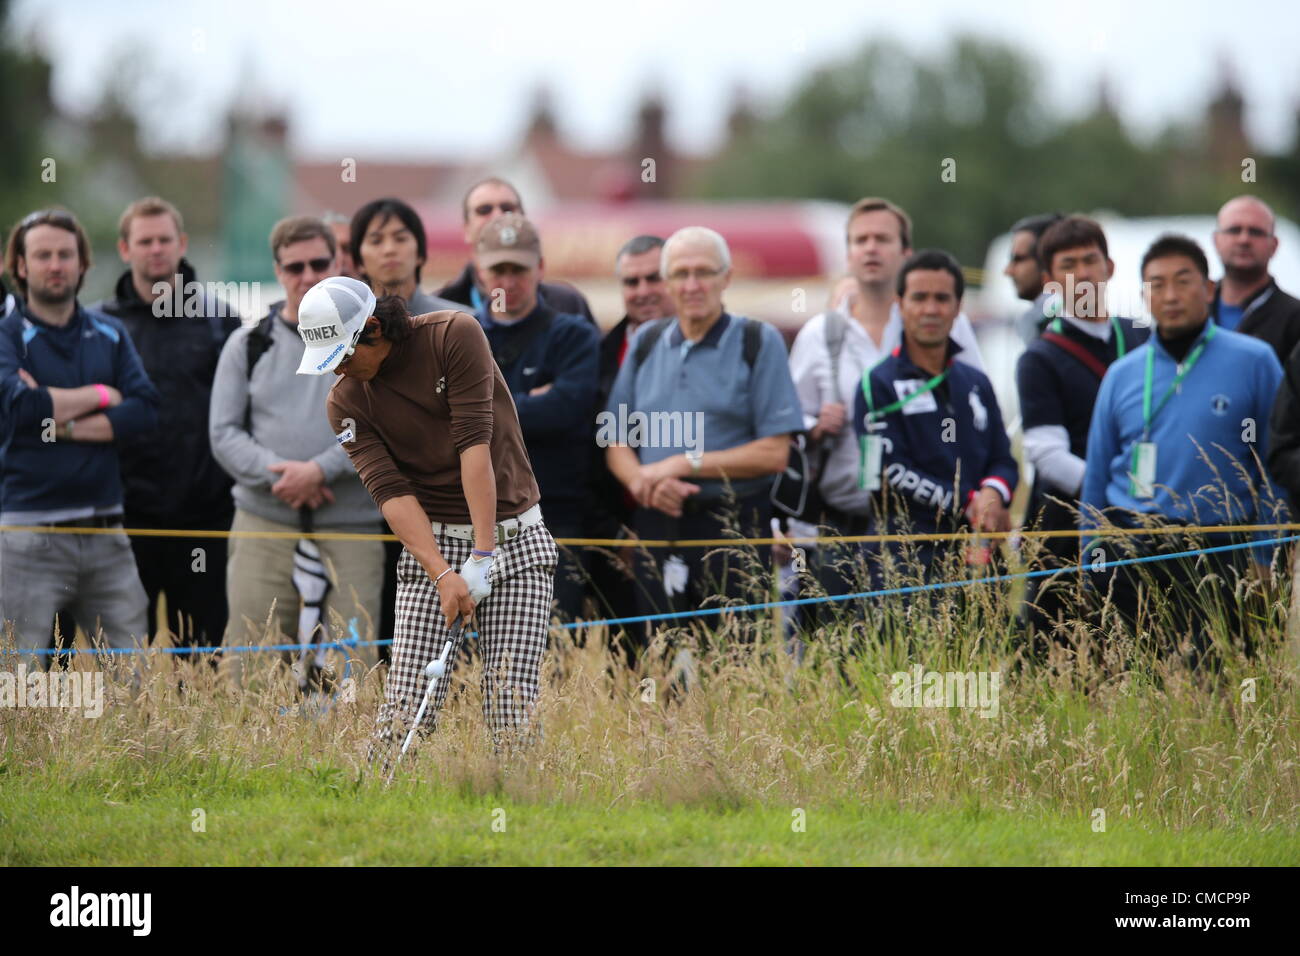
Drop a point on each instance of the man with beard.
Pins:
(58, 456)
(1247, 299)
(170, 478)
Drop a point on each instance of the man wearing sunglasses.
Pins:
(485, 201)
(269, 432)
(71, 388)
(1247, 298)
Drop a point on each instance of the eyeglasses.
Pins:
(631, 282)
(699, 275)
(317, 265)
(485, 208)
(1253, 231)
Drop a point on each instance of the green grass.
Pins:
(322, 820)
(1188, 767)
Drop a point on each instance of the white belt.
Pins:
(506, 530)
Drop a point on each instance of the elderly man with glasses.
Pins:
(269, 431)
(700, 420)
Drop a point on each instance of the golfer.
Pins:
(429, 423)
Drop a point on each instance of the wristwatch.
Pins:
(696, 461)
(67, 429)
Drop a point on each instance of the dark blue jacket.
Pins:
(37, 475)
(560, 350)
(932, 480)
(169, 476)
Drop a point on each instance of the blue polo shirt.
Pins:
(703, 395)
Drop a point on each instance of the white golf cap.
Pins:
(330, 317)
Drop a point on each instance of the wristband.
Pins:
(104, 398)
(483, 554)
(439, 577)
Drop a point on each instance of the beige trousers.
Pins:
(259, 572)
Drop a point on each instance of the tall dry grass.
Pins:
(1101, 724)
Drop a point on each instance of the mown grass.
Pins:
(1186, 768)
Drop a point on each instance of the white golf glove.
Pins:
(475, 571)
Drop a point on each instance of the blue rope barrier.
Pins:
(703, 612)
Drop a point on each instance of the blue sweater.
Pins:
(1211, 436)
(53, 480)
(940, 448)
(552, 348)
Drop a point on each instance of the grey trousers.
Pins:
(92, 575)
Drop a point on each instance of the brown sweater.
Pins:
(436, 394)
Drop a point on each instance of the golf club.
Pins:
(433, 670)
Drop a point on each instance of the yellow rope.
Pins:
(682, 543)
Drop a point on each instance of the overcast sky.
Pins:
(398, 78)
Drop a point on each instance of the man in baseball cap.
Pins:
(331, 318)
(550, 361)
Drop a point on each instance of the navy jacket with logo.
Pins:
(38, 476)
(930, 480)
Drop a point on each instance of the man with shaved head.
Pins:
(1247, 299)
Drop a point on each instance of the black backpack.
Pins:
(792, 488)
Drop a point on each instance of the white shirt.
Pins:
(1047, 447)
(810, 367)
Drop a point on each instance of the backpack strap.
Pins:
(1082, 355)
(836, 328)
(258, 341)
(752, 331)
(646, 341)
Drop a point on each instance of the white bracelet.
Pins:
(439, 578)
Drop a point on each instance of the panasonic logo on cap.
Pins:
(329, 358)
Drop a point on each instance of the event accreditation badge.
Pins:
(1143, 483)
(872, 459)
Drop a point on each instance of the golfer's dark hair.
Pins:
(931, 260)
(1172, 244)
(638, 245)
(384, 210)
(394, 321)
(1072, 232)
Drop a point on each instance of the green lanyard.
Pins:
(1147, 413)
(895, 406)
(1118, 331)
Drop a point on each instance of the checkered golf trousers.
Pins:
(512, 629)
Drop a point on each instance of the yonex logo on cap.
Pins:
(325, 334)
